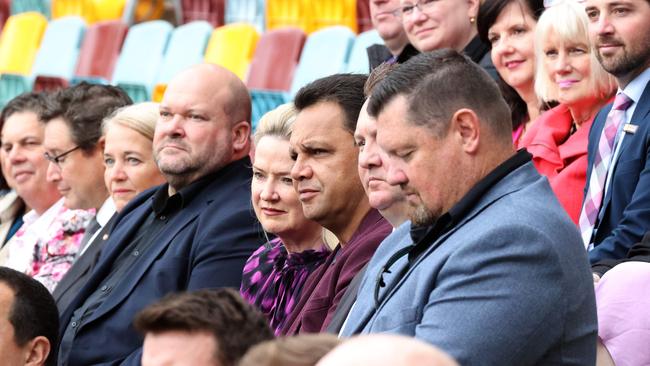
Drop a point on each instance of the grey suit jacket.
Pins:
(509, 285)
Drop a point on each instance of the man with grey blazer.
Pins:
(490, 268)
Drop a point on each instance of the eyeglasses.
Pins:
(424, 6)
(58, 158)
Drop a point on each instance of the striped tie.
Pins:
(602, 161)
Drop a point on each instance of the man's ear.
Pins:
(465, 124)
(101, 144)
(241, 134)
(37, 352)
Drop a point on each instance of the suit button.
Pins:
(73, 324)
(104, 288)
(136, 253)
(162, 217)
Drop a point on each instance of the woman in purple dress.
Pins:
(274, 275)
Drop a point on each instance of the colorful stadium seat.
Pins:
(276, 58)
(246, 11)
(24, 6)
(142, 54)
(364, 22)
(58, 54)
(232, 46)
(5, 12)
(211, 11)
(107, 9)
(325, 53)
(327, 13)
(19, 42)
(287, 13)
(91, 10)
(186, 48)
(99, 51)
(358, 61)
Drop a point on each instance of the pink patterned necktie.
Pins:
(602, 162)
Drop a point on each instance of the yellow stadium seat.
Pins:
(282, 13)
(19, 42)
(327, 13)
(91, 10)
(232, 46)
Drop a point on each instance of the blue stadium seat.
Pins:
(11, 86)
(325, 53)
(264, 101)
(59, 49)
(142, 54)
(246, 11)
(358, 62)
(23, 6)
(186, 48)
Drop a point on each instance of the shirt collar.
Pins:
(470, 199)
(105, 212)
(635, 88)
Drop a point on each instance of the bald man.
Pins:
(196, 231)
(386, 350)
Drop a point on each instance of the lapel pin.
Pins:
(630, 128)
(105, 237)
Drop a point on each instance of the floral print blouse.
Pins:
(46, 250)
(273, 279)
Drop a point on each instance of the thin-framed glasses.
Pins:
(56, 159)
(424, 6)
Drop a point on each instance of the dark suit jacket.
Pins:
(640, 252)
(80, 271)
(626, 215)
(346, 303)
(203, 246)
(325, 286)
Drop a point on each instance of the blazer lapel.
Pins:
(511, 183)
(162, 241)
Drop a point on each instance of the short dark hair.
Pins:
(436, 85)
(346, 90)
(235, 324)
(33, 312)
(26, 102)
(83, 107)
(376, 75)
(490, 10)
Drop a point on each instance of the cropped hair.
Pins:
(346, 90)
(568, 21)
(235, 324)
(439, 83)
(83, 107)
(140, 117)
(33, 312)
(376, 75)
(301, 350)
(278, 122)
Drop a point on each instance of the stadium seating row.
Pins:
(308, 15)
(37, 55)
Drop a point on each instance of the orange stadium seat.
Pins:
(99, 51)
(211, 11)
(326, 13)
(232, 46)
(283, 13)
(275, 59)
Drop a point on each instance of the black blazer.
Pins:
(80, 271)
(203, 246)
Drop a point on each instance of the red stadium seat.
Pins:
(275, 59)
(99, 51)
(49, 83)
(211, 11)
(5, 12)
(363, 15)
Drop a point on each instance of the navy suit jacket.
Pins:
(205, 245)
(626, 215)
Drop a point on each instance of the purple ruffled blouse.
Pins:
(273, 278)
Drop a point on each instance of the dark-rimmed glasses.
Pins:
(56, 159)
